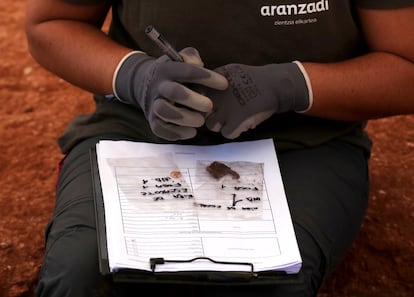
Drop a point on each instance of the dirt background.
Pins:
(35, 108)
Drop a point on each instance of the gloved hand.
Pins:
(157, 86)
(255, 93)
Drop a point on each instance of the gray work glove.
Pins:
(255, 93)
(173, 110)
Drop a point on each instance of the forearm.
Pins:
(80, 53)
(371, 86)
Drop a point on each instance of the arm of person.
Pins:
(378, 84)
(67, 40)
(374, 85)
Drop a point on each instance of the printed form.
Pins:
(225, 202)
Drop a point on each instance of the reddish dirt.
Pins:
(36, 108)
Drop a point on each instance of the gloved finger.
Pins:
(191, 56)
(181, 116)
(178, 93)
(171, 132)
(213, 123)
(214, 80)
(233, 129)
(231, 132)
(187, 73)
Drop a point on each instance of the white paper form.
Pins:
(158, 204)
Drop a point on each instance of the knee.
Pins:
(314, 264)
(70, 267)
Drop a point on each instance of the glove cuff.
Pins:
(118, 90)
(308, 85)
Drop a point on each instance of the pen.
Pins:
(163, 44)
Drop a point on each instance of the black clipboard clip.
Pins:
(221, 276)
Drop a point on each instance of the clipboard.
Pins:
(128, 275)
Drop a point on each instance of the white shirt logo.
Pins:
(294, 9)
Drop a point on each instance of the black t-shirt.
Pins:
(248, 32)
(253, 32)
